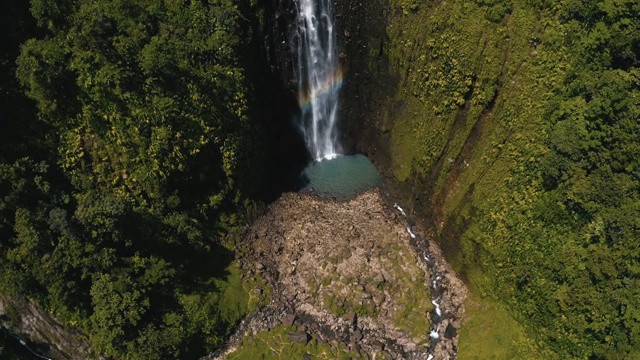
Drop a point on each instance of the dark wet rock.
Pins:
(22, 318)
(299, 337)
(450, 332)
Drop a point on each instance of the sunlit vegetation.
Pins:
(490, 332)
(276, 345)
(523, 118)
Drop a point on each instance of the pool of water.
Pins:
(342, 177)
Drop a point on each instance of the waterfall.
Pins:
(318, 77)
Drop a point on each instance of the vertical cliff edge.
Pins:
(509, 128)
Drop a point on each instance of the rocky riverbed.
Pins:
(347, 277)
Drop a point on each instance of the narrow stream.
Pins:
(436, 290)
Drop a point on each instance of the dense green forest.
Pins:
(129, 154)
(520, 121)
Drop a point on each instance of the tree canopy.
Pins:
(139, 157)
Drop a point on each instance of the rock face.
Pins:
(349, 273)
(46, 336)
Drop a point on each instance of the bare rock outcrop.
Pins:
(352, 273)
(45, 334)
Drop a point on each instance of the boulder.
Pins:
(299, 337)
(450, 332)
(288, 320)
(350, 318)
(357, 335)
(377, 346)
(379, 279)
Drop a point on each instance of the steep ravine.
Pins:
(449, 99)
(373, 281)
(339, 273)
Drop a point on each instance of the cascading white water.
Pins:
(318, 77)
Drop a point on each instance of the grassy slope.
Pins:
(490, 332)
(485, 102)
(276, 345)
(469, 73)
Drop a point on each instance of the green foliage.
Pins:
(495, 9)
(524, 127)
(409, 6)
(109, 73)
(490, 333)
(138, 158)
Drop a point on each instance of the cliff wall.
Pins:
(500, 126)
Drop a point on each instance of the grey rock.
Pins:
(379, 279)
(357, 335)
(299, 337)
(288, 320)
(350, 318)
(377, 346)
(456, 323)
(450, 332)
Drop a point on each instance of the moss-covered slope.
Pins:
(513, 125)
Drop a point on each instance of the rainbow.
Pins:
(332, 84)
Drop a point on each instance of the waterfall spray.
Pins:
(318, 77)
